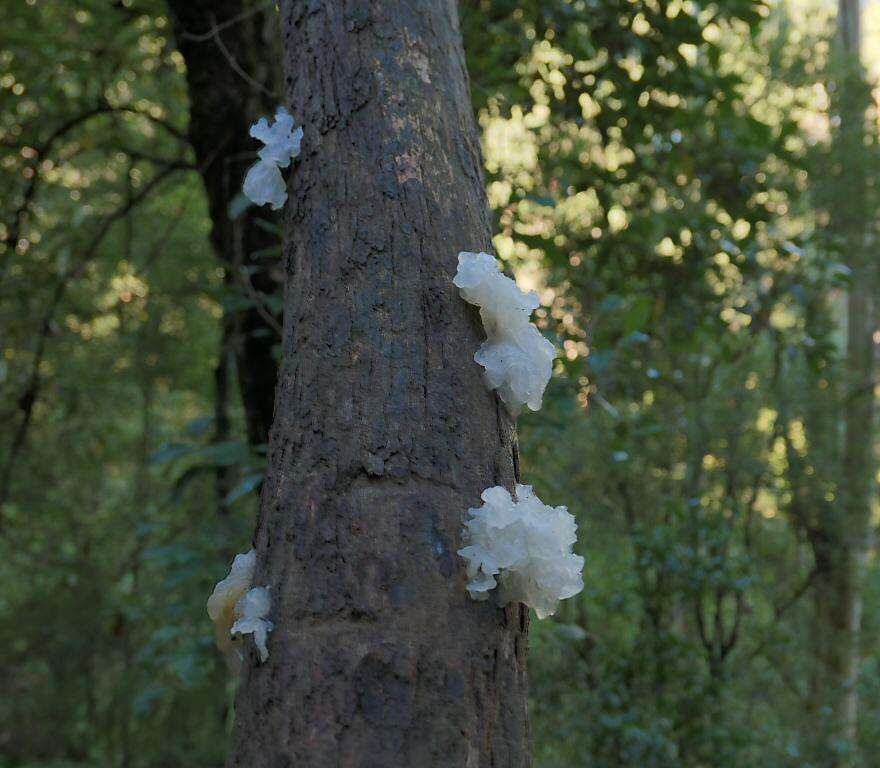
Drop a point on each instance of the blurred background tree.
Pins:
(691, 189)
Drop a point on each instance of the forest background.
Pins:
(692, 190)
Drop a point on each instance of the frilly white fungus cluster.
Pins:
(264, 182)
(236, 609)
(250, 614)
(523, 546)
(517, 358)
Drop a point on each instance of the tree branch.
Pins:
(13, 230)
(219, 27)
(34, 382)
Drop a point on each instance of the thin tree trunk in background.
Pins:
(222, 474)
(847, 529)
(385, 433)
(231, 76)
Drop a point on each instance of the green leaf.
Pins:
(572, 632)
(638, 314)
(269, 226)
(223, 454)
(238, 205)
(247, 485)
(199, 427)
(170, 452)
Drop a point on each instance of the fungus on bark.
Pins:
(250, 613)
(237, 609)
(524, 547)
(264, 183)
(518, 360)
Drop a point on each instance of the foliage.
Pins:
(110, 307)
(666, 197)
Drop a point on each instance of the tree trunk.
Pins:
(230, 74)
(385, 433)
(846, 524)
(223, 474)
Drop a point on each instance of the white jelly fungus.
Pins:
(236, 609)
(523, 547)
(250, 614)
(264, 183)
(517, 358)
(281, 139)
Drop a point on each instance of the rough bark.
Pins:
(230, 77)
(384, 433)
